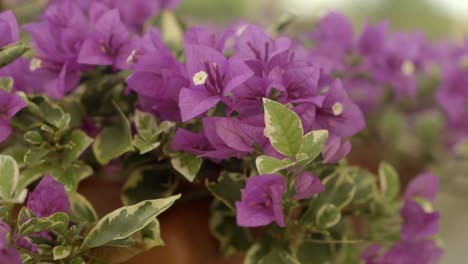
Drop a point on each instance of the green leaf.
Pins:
(328, 215)
(82, 210)
(9, 176)
(366, 185)
(119, 251)
(114, 140)
(187, 164)
(339, 191)
(145, 146)
(11, 52)
(149, 182)
(31, 174)
(227, 189)
(33, 137)
(72, 175)
(77, 260)
(312, 145)
(148, 131)
(283, 128)
(6, 83)
(279, 256)
(57, 222)
(223, 226)
(61, 252)
(78, 142)
(126, 221)
(267, 165)
(35, 156)
(389, 181)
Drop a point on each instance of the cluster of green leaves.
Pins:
(80, 237)
(320, 229)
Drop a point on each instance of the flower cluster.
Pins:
(419, 224)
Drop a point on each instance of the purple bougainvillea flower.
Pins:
(157, 78)
(7, 254)
(307, 185)
(9, 29)
(333, 42)
(57, 39)
(19, 71)
(136, 13)
(425, 185)
(109, 43)
(261, 202)
(418, 223)
(222, 138)
(259, 51)
(300, 84)
(213, 77)
(204, 37)
(421, 251)
(335, 149)
(10, 104)
(48, 198)
(338, 114)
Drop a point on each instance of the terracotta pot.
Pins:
(184, 227)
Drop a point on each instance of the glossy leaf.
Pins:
(187, 164)
(389, 181)
(9, 176)
(328, 215)
(268, 165)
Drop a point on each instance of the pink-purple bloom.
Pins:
(7, 254)
(48, 197)
(306, 186)
(262, 201)
(10, 105)
(9, 29)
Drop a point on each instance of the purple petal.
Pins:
(418, 223)
(9, 29)
(48, 197)
(193, 103)
(334, 149)
(307, 185)
(425, 185)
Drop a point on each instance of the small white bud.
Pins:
(407, 68)
(131, 58)
(35, 64)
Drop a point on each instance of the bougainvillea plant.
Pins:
(261, 120)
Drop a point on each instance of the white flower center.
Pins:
(35, 64)
(131, 58)
(200, 78)
(337, 109)
(407, 68)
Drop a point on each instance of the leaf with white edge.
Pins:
(114, 140)
(283, 128)
(11, 52)
(77, 260)
(328, 215)
(366, 185)
(145, 146)
(389, 181)
(61, 252)
(32, 174)
(33, 137)
(81, 209)
(78, 142)
(6, 83)
(279, 256)
(119, 251)
(126, 221)
(187, 164)
(149, 182)
(72, 175)
(9, 176)
(146, 125)
(35, 156)
(268, 165)
(312, 145)
(57, 222)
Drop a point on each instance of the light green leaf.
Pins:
(148, 131)
(366, 185)
(389, 181)
(35, 156)
(126, 221)
(149, 182)
(267, 165)
(57, 222)
(9, 176)
(11, 52)
(279, 256)
(77, 260)
(145, 146)
(312, 145)
(61, 252)
(81, 209)
(314, 253)
(114, 140)
(187, 164)
(328, 215)
(72, 175)
(283, 128)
